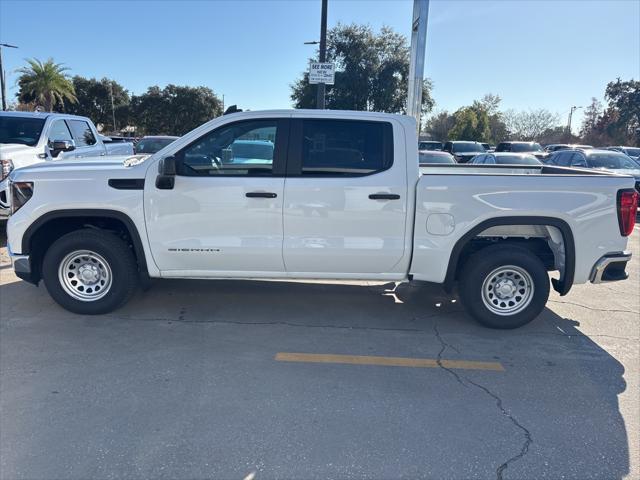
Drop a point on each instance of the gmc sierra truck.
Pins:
(311, 194)
(27, 138)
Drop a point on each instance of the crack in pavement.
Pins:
(595, 309)
(463, 378)
(182, 319)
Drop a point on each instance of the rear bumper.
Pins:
(610, 268)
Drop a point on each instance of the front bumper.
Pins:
(610, 268)
(22, 268)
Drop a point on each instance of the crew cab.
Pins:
(28, 138)
(339, 196)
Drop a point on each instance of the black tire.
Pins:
(121, 265)
(480, 267)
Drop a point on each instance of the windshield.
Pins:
(430, 146)
(22, 130)
(611, 160)
(526, 147)
(633, 152)
(258, 150)
(467, 147)
(517, 160)
(434, 158)
(152, 145)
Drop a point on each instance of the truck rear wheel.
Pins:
(90, 272)
(504, 286)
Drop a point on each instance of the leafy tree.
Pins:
(174, 110)
(470, 124)
(372, 72)
(94, 101)
(490, 104)
(45, 83)
(530, 125)
(624, 98)
(439, 126)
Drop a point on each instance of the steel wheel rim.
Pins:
(507, 290)
(85, 275)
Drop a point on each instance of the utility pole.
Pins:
(320, 100)
(3, 78)
(573, 109)
(416, 67)
(113, 110)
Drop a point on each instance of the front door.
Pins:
(223, 216)
(345, 208)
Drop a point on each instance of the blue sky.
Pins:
(549, 54)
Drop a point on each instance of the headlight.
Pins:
(7, 166)
(21, 192)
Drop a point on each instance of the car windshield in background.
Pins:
(152, 145)
(255, 150)
(468, 147)
(434, 158)
(22, 130)
(526, 147)
(613, 161)
(634, 152)
(430, 146)
(517, 160)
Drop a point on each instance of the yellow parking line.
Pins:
(387, 361)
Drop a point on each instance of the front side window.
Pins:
(578, 160)
(82, 134)
(243, 148)
(59, 131)
(346, 147)
(563, 158)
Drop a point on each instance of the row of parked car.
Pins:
(621, 158)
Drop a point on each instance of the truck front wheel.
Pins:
(90, 272)
(504, 286)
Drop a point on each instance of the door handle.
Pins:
(260, 195)
(384, 196)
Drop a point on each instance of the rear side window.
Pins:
(345, 147)
(563, 158)
(82, 133)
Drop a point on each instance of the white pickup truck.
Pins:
(311, 194)
(28, 138)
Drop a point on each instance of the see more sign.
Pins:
(322, 73)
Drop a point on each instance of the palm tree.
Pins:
(46, 83)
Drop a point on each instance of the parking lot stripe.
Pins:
(387, 361)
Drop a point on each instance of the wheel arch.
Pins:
(52, 225)
(562, 285)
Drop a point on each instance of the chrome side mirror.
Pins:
(58, 146)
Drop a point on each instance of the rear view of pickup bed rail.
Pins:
(318, 195)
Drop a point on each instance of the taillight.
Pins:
(7, 167)
(627, 207)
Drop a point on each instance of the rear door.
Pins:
(345, 198)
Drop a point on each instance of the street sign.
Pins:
(322, 73)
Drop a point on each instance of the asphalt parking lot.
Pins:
(224, 379)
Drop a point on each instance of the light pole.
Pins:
(320, 100)
(416, 67)
(3, 80)
(113, 110)
(573, 109)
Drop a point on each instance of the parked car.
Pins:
(93, 231)
(633, 152)
(463, 151)
(488, 147)
(505, 158)
(426, 157)
(600, 159)
(152, 144)
(28, 138)
(523, 147)
(429, 145)
(554, 147)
